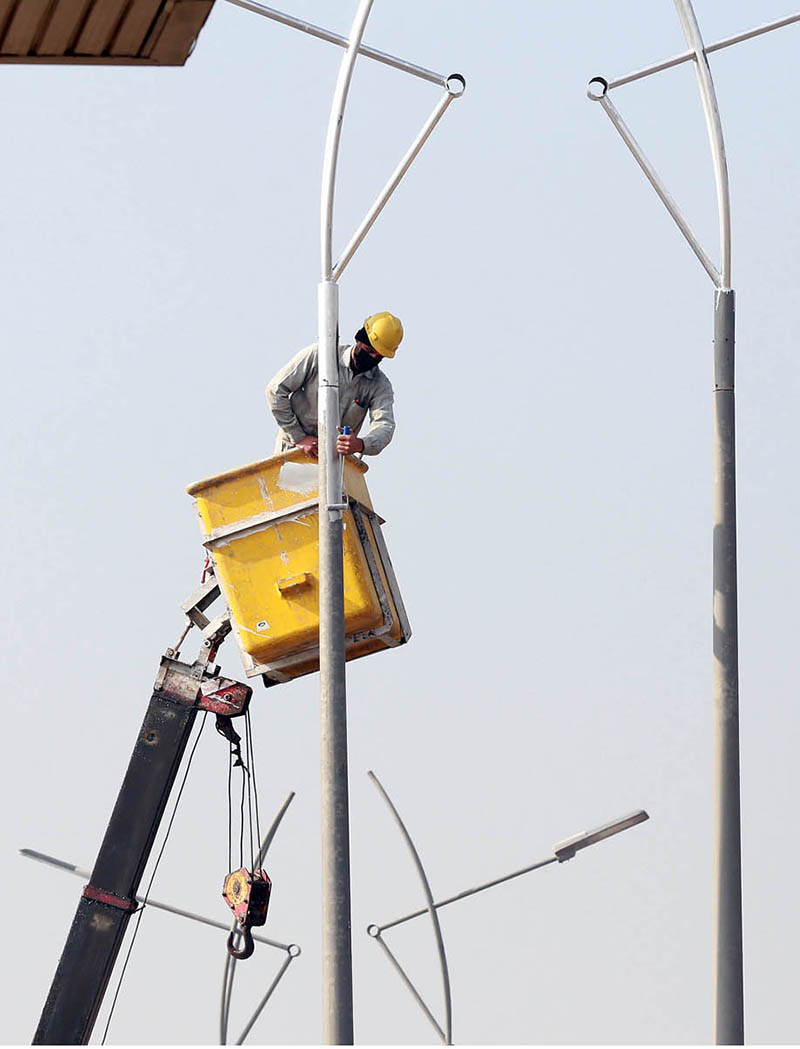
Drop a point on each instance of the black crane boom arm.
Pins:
(107, 903)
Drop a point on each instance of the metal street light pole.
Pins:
(337, 978)
(337, 969)
(727, 877)
(337, 981)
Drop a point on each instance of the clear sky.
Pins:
(547, 498)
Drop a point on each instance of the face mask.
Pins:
(363, 361)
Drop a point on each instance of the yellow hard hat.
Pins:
(385, 333)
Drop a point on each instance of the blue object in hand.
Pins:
(346, 431)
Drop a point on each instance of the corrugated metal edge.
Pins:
(134, 28)
(62, 29)
(111, 32)
(75, 60)
(173, 41)
(100, 27)
(25, 27)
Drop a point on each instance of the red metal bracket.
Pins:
(194, 685)
(223, 696)
(123, 903)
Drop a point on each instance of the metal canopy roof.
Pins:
(101, 32)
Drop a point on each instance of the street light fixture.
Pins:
(562, 851)
(565, 850)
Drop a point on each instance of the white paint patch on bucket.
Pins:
(298, 477)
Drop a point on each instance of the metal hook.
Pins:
(247, 947)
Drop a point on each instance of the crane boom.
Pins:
(109, 899)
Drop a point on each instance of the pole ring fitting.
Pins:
(456, 84)
(374, 931)
(293, 950)
(597, 88)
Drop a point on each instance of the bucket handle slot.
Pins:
(289, 586)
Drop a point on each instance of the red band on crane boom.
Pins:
(123, 903)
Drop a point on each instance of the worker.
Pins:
(292, 393)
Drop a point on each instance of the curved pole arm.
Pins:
(455, 89)
(334, 135)
(597, 91)
(437, 929)
(375, 933)
(705, 82)
(293, 952)
(230, 962)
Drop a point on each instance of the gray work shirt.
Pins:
(292, 398)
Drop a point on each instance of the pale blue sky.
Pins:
(547, 497)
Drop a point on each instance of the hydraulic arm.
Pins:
(107, 902)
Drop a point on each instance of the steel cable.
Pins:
(152, 879)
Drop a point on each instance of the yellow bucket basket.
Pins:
(260, 524)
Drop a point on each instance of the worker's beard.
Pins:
(362, 361)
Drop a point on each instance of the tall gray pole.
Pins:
(337, 964)
(337, 967)
(337, 974)
(727, 875)
(728, 958)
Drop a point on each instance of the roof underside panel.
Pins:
(98, 28)
(134, 27)
(62, 27)
(23, 27)
(101, 32)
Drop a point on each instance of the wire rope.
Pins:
(249, 779)
(152, 879)
(255, 784)
(241, 822)
(230, 808)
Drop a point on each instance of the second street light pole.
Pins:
(727, 919)
(727, 846)
(727, 892)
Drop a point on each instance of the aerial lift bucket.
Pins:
(260, 526)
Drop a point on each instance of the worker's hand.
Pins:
(309, 445)
(348, 443)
